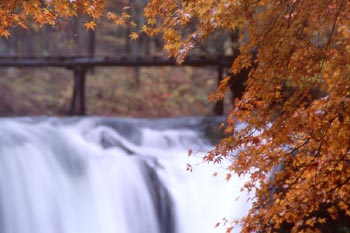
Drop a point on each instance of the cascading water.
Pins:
(104, 175)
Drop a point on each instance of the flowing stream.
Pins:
(111, 175)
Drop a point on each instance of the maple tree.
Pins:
(15, 13)
(290, 131)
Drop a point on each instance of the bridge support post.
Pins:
(219, 105)
(77, 106)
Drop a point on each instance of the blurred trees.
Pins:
(50, 29)
(66, 35)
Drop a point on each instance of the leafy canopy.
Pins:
(15, 13)
(295, 140)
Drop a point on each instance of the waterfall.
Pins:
(110, 175)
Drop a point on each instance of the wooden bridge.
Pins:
(80, 65)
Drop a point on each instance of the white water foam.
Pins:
(85, 176)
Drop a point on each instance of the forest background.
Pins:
(111, 91)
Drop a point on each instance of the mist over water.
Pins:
(105, 175)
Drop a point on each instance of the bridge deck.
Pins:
(80, 65)
(71, 62)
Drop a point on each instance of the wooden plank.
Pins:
(78, 96)
(71, 62)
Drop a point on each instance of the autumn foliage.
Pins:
(17, 13)
(290, 132)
